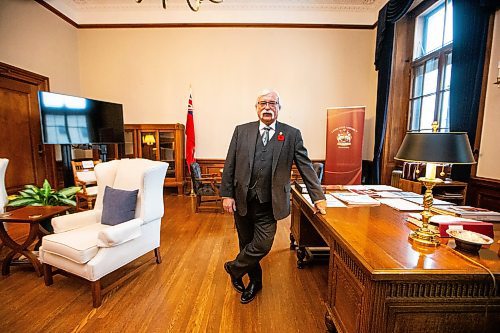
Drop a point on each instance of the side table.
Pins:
(32, 215)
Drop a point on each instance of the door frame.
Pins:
(39, 151)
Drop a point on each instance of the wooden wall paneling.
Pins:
(484, 193)
(31, 162)
(399, 94)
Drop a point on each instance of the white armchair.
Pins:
(82, 246)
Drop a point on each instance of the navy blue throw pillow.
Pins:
(118, 206)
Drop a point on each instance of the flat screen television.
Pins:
(76, 120)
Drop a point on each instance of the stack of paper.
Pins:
(435, 202)
(331, 201)
(383, 188)
(353, 199)
(401, 204)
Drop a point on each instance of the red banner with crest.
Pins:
(344, 145)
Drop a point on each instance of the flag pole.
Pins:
(191, 193)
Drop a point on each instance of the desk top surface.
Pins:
(32, 214)
(378, 238)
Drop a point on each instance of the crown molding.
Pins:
(336, 14)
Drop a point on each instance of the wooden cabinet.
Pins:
(448, 190)
(159, 142)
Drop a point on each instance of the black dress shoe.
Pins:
(237, 283)
(250, 292)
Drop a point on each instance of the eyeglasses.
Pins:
(271, 104)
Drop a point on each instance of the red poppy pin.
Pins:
(281, 137)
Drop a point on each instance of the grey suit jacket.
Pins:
(239, 163)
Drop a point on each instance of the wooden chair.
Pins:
(319, 167)
(206, 187)
(83, 173)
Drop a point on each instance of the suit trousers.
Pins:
(256, 232)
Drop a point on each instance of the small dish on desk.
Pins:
(469, 241)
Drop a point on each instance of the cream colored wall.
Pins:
(34, 39)
(489, 152)
(150, 71)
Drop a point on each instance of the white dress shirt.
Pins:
(271, 131)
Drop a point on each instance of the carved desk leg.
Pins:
(301, 254)
(330, 326)
(292, 242)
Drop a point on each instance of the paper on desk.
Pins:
(400, 204)
(386, 194)
(383, 188)
(353, 199)
(355, 187)
(331, 201)
(419, 201)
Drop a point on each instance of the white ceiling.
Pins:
(322, 12)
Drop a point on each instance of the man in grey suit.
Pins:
(256, 187)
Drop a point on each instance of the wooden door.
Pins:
(30, 162)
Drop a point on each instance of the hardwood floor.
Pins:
(188, 292)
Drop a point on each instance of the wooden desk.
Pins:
(32, 215)
(378, 282)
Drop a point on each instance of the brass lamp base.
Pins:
(423, 235)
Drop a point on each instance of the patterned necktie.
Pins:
(265, 135)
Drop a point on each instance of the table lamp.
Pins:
(433, 149)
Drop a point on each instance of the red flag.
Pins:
(190, 141)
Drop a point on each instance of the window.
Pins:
(431, 68)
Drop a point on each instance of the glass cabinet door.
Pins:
(148, 145)
(128, 147)
(167, 151)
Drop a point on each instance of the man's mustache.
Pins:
(263, 113)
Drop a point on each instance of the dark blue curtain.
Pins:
(470, 33)
(387, 17)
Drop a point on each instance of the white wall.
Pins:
(489, 151)
(34, 39)
(150, 71)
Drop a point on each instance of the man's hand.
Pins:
(229, 205)
(320, 206)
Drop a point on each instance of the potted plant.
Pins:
(44, 196)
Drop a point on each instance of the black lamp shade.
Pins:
(440, 148)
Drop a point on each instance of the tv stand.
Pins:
(66, 162)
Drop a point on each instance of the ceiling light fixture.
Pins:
(193, 4)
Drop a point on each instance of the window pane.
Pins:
(431, 76)
(434, 30)
(447, 72)
(448, 29)
(418, 81)
(427, 113)
(444, 122)
(415, 112)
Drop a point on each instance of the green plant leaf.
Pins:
(68, 202)
(70, 191)
(23, 202)
(29, 191)
(46, 188)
